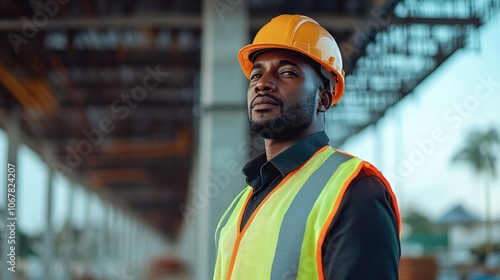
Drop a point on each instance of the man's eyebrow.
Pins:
(287, 62)
(256, 65)
(280, 62)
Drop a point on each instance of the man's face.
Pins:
(282, 95)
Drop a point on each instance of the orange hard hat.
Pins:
(304, 35)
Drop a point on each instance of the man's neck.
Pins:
(275, 146)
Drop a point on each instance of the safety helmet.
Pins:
(304, 35)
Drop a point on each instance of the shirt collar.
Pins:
(285, 162)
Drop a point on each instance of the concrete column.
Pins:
(379, 145)
(113, 236)
(100, 259)
(12, 128)
(223, 130)
(128, 238)
(135, 247)
(122, 239)
(108, 234)
(69, 239)
(48, 238)
(399, 156)
(86, 247)
(134, 240)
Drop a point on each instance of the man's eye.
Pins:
(288, 73)
(255, 76)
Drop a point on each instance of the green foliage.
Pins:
(424, 232)
(480, 152)
(480, 250)
(418, 222)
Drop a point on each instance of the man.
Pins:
(309, 211)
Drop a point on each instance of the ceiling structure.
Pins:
(116, 83)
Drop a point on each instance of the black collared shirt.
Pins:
(362, 241)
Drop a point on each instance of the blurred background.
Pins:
(125, 125)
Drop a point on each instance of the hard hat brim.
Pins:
(246, 63)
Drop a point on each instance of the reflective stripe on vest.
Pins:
(283, 237)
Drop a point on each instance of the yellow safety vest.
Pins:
(283, 237)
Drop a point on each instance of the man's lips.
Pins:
(264, 103)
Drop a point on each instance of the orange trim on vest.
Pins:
(394, 202)
(238, 238)
(242, 212)
(370, 168)
(321, 238)
(240, 234)
(344, 153)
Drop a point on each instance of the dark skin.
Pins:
(279, 81)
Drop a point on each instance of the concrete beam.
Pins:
(336, 22)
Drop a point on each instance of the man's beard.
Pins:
(288, 123)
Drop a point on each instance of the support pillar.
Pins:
(223, 134)
(86, 248)
(399, 153)
(69, 239)
(100, 264)
(122, 239)
(48, 238)
(379, 145)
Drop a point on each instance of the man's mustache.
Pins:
(279, 101)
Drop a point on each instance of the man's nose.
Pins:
(266, 83)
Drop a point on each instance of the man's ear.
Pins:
(325, 100)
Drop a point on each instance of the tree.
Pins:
(418, 222)
(480, 153)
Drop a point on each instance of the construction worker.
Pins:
(309, 211)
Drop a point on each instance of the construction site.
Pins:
(124, 129)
